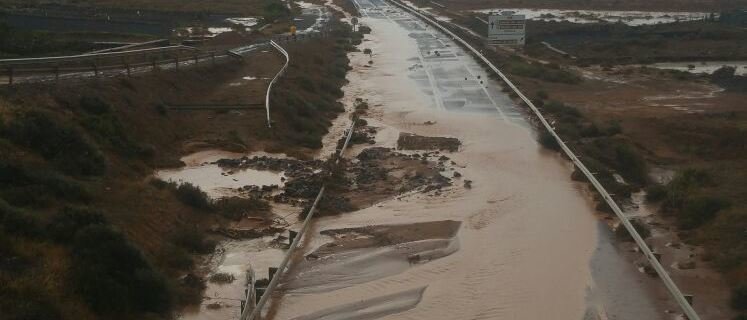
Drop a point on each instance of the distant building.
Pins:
(507, 29)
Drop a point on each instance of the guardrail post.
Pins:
(57, 73)
(95, 69)
(176, 62)
(197, 59)
(127, 66)
(212, 57)
(153, 63)
(10, 75)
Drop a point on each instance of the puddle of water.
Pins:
(632, 18)
(216, 181)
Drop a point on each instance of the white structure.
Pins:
(507, 29)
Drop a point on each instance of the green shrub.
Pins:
(58, 141)
(542, 94)
(548, 141)
(739, 297)
(175, 257)
(697, 211)
(622, 233)
(65, 224)
(18, 222)
(94, 105)
(193, 240)
(656, 193)
(561, 109)
(24, 186)
(631, 164)
(27, 303)
(236, 208)
(108, 129)
(113, 276)
(613, 128)
(193, 196)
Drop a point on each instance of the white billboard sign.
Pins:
(507, 29)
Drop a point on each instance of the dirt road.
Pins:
(527, 243)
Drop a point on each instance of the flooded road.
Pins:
(526, 243)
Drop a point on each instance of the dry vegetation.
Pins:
(84, 233)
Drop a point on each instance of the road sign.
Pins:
(507, 29)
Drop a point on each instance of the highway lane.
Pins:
(530, 246)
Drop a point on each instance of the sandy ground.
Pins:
(528, 245)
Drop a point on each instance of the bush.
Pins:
(57, 141)
(94, 105)
(542, 94)
(561, 109)
(65, 224)
(175, 257)
(27, 303)
(193, 196)
(656, 193)
(193, 240)
(29, 186)
(236, 208)
(739, 297)
(548, 141)
(622, 233)
(699, 210)
(631, 164)
(113, 276)
(18, 222)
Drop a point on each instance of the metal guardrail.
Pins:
(257, 311)
(671, 286)
(89, 56)
(132, 45)
(274, 79)
(50, 68)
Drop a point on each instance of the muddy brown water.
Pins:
(529, 245)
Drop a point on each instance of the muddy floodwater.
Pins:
(201, 171)
(222, 301)
(524, 242)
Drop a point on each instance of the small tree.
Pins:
(368, 52)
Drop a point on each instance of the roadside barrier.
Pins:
(687, 309)
(127, 62)
(280, 73)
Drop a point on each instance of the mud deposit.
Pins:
(359, 255)
(409, 141)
